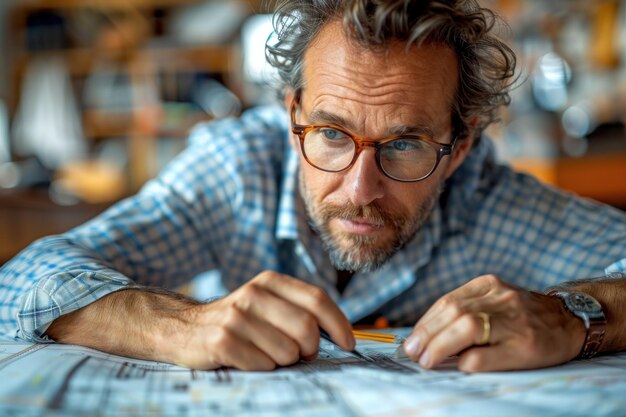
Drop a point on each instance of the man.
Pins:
(371, 196)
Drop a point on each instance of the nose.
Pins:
(364, 182)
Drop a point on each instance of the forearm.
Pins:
(246, 329)
(611, 293)
(144, 324)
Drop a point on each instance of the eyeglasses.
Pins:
(405, 158)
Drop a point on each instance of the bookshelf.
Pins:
(92, 36)
(134, 37)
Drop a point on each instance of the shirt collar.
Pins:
(463, 187)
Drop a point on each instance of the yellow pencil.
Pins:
(378, 337)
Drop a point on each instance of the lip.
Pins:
(359, 227)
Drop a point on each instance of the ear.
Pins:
(460, 152)
(289, 95)
(463, 147)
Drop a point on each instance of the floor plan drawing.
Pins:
(67, 380)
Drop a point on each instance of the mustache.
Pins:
(371, 213)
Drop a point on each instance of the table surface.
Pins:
(66, 380)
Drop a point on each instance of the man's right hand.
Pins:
(272, 320)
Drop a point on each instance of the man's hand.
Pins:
(272, 320)
(527, 329)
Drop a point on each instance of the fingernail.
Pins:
(412, 345)
(425, 359)
(352, 343)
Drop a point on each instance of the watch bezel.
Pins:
(572, 301)
(594, 319)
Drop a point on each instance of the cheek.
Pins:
(319, 184)
(410, 198)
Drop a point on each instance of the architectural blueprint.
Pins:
(66, 380)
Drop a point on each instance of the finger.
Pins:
(293, 321)
(476, 288)
(425, 330)
(463, 333)
(267, 338)
(314, 300)
(247, 357)
(500, 357)
(224, 348)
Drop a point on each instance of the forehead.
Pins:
(374, 86)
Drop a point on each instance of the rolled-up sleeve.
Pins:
(179, 225)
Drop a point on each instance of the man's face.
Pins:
(362, 216)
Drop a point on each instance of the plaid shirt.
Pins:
(230, 203)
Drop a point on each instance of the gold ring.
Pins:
(484, 339)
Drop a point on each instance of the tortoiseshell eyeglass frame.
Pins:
(361, 143)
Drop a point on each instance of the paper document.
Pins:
(66, 380)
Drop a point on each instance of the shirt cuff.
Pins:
(617, 269)
(61, 294)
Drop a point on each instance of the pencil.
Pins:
(378, 337)
(354, 352)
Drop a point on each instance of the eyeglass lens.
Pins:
(403, 158)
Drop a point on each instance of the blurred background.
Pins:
(96, 96)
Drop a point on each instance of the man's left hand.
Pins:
(494, 326)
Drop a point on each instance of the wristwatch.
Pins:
(589, 310)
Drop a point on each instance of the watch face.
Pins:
(583, 303)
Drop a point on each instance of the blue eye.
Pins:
(332, 134)
(403, 145)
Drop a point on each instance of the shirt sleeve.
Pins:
(617, 269)
(163, 236)
(531, 234)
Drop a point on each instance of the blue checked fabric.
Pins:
(229, 203)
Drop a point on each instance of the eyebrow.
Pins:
(324, 117)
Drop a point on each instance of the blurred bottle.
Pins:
(217, 100)
(22, 174)
(5, 150)
(550, 78)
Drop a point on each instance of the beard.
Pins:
(364, 253)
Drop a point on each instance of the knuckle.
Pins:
(318, 297)
(232, 317)
(288, 354)
(264, 277)
(454, 306)
(447, 302)
(222, 339)
(512, 298)
(471, 362)
(491, 280)
(307, 325)
(246, 296)
(472, 323)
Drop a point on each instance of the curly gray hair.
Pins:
(486, 64)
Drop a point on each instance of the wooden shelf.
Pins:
(112, 5)
(26, 215)
(80, 61)
(158, 65)
(119, 5)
